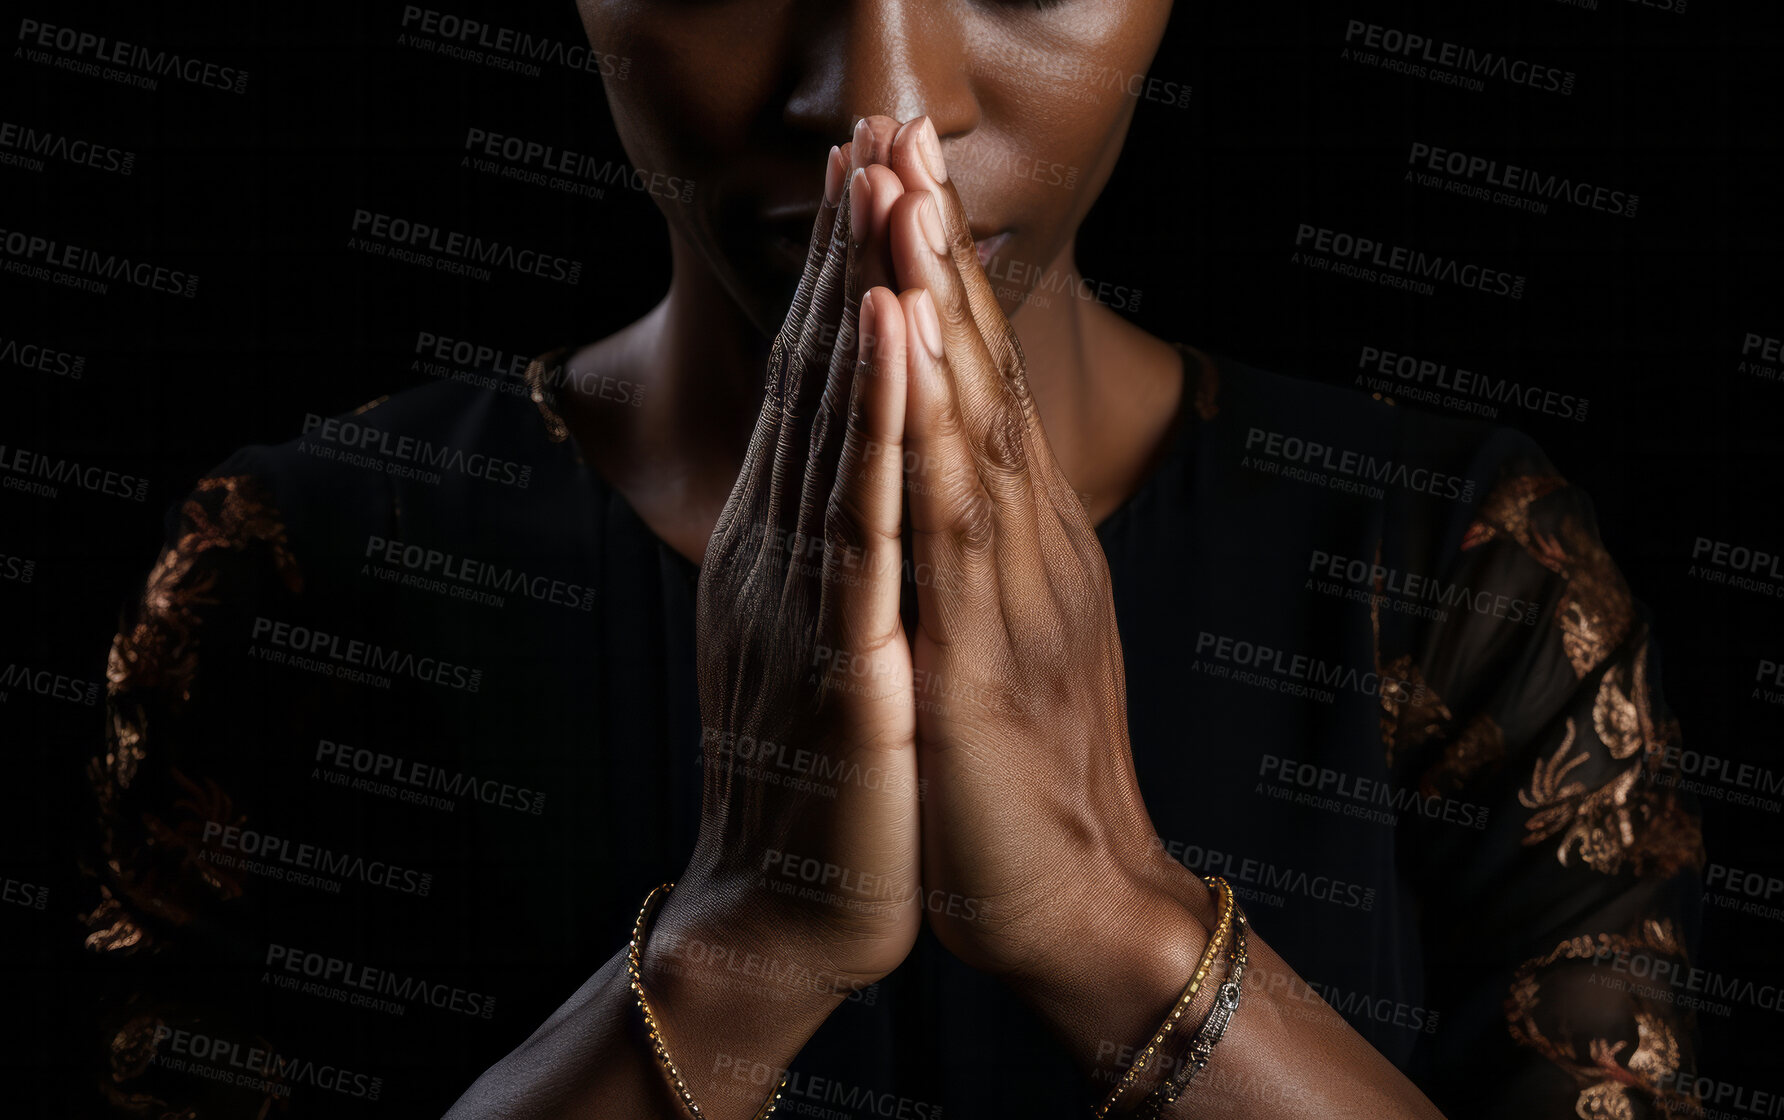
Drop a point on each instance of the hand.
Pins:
(1032, 808)
(808, 843)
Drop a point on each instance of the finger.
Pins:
(872, 191)
(872, 141)
(863, 513)
(827, 321)
(918, 161)
(952, 524)
(992, 418)
(824, 228)
(754, 488)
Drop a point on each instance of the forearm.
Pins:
(726, 1031)
(1285, 1054)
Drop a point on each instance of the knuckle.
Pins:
(964, 252)
(845, 530)
(971, 528)
(1001, 444)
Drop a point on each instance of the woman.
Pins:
(1371, 666)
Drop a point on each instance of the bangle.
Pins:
(634, 972)
(1216, 941)
(1226, 1005)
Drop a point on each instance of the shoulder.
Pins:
(438, 453)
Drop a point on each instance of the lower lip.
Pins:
(990, 246)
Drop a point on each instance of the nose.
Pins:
(899, 58)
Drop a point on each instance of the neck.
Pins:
(1106, 391)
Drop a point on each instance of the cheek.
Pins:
(695, 83)
(1057, 94)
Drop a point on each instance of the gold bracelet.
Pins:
(1216, 942)
(634, 971)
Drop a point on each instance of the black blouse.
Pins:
(405, 727)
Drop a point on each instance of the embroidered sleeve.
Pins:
(1545, 931)
(157, 906)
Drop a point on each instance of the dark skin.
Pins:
(898, 398)
(708, 98)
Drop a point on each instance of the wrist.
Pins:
(734, 1004)
(1120, 969)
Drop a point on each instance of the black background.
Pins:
(255, 193)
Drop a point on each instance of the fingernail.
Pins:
(929, 325)
(929, 146)
(861, 152)
(931, 219)
(833, 176)
(866, 322)
(860, 197)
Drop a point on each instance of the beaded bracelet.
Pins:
(1226, 1005)
(1216, 941)
(634, 971)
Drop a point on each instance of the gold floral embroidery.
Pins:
(1594, 611)
(160, 652)
(1621, 712)
(1657, 1050)
(1621, 819)
(544, 394)
(1606, 1084)
(1507, 510)
(1412, 714)
(155, 660)
(1604, 1100)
